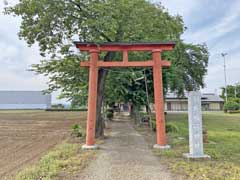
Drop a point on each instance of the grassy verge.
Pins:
(223, 146)
(61, 162)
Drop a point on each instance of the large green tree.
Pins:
(53, 24)
(233, 91)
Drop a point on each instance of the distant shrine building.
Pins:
(24, 100)
(209, 101)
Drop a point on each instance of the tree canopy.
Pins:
(53, 24)
(233, 91)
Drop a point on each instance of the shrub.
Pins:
(233, 111)
(154, 124)
(231, 105)
(83, 109)
(57, 106)
(77, 131)
(237, 100)
(143, 114)
(110, 110)
(170, 127)
(109, 115)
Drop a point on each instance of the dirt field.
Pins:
(26, 135)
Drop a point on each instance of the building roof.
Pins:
(211, 97)
(206, 97)
(129, 46)
(124, 43)
(24, 97)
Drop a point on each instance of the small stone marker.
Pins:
(195, 126)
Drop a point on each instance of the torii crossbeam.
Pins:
(156, 63)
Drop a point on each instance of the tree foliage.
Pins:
(233, 91)
(186, 73)
(67, 76)
(53, 24)
(231, 105)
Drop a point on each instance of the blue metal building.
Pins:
(24, 100)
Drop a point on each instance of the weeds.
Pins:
(66, 158)
(77, 131)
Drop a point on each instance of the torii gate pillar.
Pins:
(156, 63)
(92, 99)
(159, 101)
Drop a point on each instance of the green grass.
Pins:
(224, 147)
(66, 159)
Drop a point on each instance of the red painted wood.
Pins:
(125, 64)
(158, 98)
(164, 47)
(157, 63)
(165, 63)
(92, 99)
(125, 56)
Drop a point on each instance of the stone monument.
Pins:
(195, 126)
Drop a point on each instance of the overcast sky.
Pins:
(214, 22)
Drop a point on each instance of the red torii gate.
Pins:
(157, 63)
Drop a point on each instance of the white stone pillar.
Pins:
(195, 126)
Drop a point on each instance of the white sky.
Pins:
(215, 22)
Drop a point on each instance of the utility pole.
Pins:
(225, 75)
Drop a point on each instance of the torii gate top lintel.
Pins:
(156, 47)
(156, 63)
(121, 46)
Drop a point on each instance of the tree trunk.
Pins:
(102, 74)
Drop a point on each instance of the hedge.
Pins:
(231, 105)
(66, 109)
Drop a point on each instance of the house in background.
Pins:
(210, 102)
(24, 100)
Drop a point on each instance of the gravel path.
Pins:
(125, 156)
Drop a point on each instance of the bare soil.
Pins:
(27, 135)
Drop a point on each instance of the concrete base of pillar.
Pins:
(87, 147)
(157, 146)
(190, 156)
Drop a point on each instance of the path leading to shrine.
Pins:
(125, 155)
